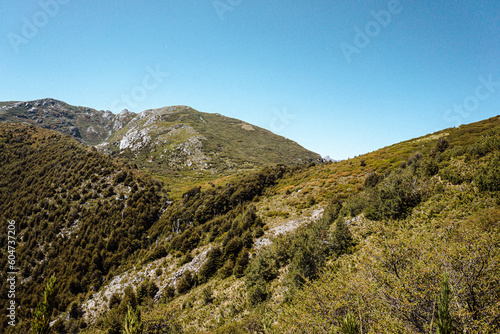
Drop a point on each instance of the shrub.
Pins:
(227, 269)
(429, 167)
(207, 295)
(132, 323)
(241, 263)
(371, 180)
(342, 238)
(185, 283)
(212, 264)
(393, 198)
(257, 293)
(350, 324)
(74, 310)
(114, 301)
(487, 177)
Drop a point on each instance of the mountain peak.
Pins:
(168, 140)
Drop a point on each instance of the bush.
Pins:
(342, 238)
(185, 283)
(227, 269)
(393, 198)
(257, 293)
(371, 180)
(430, 167)
(241, 263)
(114, 301)
(74, 310)
(487, 177)
(207, 296)
(212, 264)
(129, 297)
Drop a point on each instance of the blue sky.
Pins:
(341, 78)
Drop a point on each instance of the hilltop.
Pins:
(181, 138)
(180, 145)
(86, 125)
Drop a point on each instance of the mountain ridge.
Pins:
(166, 140)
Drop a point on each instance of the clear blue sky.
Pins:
(301, 69)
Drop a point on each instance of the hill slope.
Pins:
(181, 138)
(398, 219)
(78, 214)
(87, 125)
(165, 140)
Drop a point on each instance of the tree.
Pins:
(444, 320)
(342, 237)
(133, 323)
(74, 310)
(43, 311)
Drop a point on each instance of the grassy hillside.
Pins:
(180, 142)
(401, 225)
(179, 145)
(78, 214)
(407, 240)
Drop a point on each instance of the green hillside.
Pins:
(78, 214)
(180, 145)
(400, 240)
(401, 225)
(183, 144)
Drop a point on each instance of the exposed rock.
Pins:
(73, 131)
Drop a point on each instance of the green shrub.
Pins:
(241, 263)
(207, 295)
(258, 292)
(227, 269)
(212, 264)
(185, 283)
(114, 301)
(371, 180)
(394, 197)
(74, 310)
(487, 177)
(350, 324)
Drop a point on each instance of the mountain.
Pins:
(181, 138)
(87, 125)
(367, 242)
(166, 140)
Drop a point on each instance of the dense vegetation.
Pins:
(413, 249)
(79, 215)
(408, 241)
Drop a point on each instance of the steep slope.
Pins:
(181, 138)
(84, 124)
(398, 219)
(78, 214)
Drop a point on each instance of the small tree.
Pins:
(133, 323)
(74, 310)
(43, 311)
(444, 320)
(342, 237)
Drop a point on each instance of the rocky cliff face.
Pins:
(87, 125)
